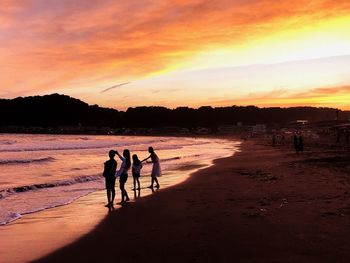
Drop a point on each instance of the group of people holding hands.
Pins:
(110, 173)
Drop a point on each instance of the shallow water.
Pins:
(61, 225)
(44, 171)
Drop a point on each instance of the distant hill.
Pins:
(61, 110)
(54, 110)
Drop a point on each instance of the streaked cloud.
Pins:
(326, 91)
(79, 46)
(114, 87)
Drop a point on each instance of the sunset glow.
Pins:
(178, 53)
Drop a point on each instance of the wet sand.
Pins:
(38, 234)
(264, 204)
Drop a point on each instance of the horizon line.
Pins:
(173, 108)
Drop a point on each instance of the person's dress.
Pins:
(156, 171)
(136, 170)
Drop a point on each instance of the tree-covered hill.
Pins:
(61, 110)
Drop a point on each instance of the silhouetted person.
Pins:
(274, 139)
(123, 175)
(136, 171)
(156, 171)
(296, 143)
(109, 171)
(300, 143)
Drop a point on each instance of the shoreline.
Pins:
(260, 207)
(56, 175)
(48, 220)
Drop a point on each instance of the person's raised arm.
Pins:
(146, 159)
(120, 157)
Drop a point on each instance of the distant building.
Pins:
(326, 127)
(227, 129)
(301, 122)
(201, 130)
(343, 127)
(169, 130)
(259, 128)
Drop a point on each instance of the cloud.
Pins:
(114, 87)
(333, 96)
(52, 45)
(324, 91)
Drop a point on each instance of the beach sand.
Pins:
(264, 204)
(40, 233)
(56, 227)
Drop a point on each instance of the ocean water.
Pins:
(39, 172)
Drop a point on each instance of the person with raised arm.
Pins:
(156, 171)
(123, 174)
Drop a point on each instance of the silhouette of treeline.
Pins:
(61, 110)
(54, 110)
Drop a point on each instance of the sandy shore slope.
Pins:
(264, 204)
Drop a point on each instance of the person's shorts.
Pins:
(110, 183)
(123, 178)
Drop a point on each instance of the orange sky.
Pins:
(178, 53)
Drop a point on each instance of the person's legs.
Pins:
(121, 186)
(156, 180)
(113, 190)
(126, 195)
(152, 181)
(125, 192)
(134, 178)
(138, 183)
(113, 195)
(108, 195)
(108, 190)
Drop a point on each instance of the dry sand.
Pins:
(264, 204)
